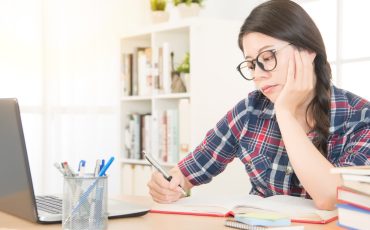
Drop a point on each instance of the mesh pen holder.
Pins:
(85, 202)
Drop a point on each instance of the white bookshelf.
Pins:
(214, 85)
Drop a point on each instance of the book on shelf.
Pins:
(349, 196)
(164, 68)
(137, 135)
(168, 136)
(144, 71)
(146, 129)
(163, 150)
(134, 77)
(184, 127)
(173, 135)
(353, 217)
(296, 208)
(127, 71)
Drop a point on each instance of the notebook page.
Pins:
(208, 204)
(295, 207)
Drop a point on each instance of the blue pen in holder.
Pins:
(85, 202)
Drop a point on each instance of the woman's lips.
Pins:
(268, 88)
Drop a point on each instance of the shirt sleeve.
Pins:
(217, 149)
(357, 151)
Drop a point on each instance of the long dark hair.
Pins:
(287, 21)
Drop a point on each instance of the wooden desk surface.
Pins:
(148, 221)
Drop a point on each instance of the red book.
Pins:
(353, 197)
(298, 209)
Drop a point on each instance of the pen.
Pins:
(161, 170)
(81, 168)
(97, 167)
(57, 165)
(106, 166)
(102, 164)
(67, 169)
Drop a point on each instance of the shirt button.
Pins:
(288, 170)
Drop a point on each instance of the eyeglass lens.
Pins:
(265, 61)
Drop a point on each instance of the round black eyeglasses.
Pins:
(266, 61)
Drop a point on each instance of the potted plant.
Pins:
(159, 13)
(184, 70)
(188, 8)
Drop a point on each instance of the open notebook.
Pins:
(298, 209)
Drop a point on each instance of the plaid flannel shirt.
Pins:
(251, 133)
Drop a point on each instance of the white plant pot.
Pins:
(185, 77)
(188, 10)
(160, 16)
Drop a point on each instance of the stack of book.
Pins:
(354, 197)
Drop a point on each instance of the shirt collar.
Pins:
(267, 110)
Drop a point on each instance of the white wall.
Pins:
(21, 67)
(137, 12)
(81, 68)
(61, 59)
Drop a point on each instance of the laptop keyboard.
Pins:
(50, 204)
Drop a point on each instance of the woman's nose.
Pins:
(259, 72)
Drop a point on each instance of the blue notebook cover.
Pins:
(354, 208)
(263, 222)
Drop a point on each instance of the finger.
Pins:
(154, 186)
(308, 69)
(175, 182)
(159, 187)
(159, 179)
(160, 184)
(298, 68)
(164, 198)
(162, 195)
(291, 70)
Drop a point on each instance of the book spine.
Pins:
(166, 68)
(184, 127)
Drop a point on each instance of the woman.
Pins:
(293, 129)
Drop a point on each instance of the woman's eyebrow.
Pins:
(262, 48)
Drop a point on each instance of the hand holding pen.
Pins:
(159, 191)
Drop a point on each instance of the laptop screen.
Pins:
(16, 191)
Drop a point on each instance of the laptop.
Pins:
(16, 190)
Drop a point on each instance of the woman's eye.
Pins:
(268, 56)
(250, 65)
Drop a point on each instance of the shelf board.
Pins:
(172, 96)
(136, 98)
(157, 96)
(144, 163)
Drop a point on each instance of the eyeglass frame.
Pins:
(260, 65)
